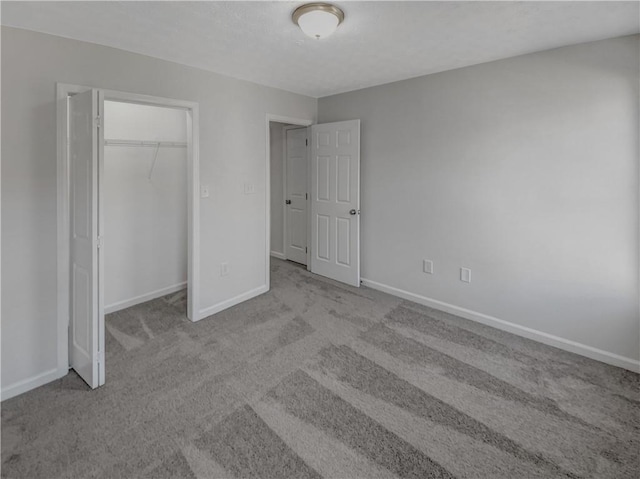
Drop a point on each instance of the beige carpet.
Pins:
(316, 379)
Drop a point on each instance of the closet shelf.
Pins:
(154, 144)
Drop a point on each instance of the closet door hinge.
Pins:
(306, 196)
(306, 142)
(97, 121)
(306, 250)
(100, 242)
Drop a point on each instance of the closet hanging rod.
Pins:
(154, 144)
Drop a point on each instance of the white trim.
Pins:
(31, 383)
(280, 119)
(216, 308)
(193, 204)
(98, 197)
(285, 220)
(143, 298)
(542, 337)
(62, 94)
(193, 220)
(275, 254)
(309, 176)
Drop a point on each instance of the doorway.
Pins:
(85, 185)
(328, 202)
(289, 192)
(145, 203)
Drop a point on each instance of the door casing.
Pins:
(290, 121)
(63, 91)
(296, 123)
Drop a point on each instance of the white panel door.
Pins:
(86, 333)
(335, 201)
(296, 197)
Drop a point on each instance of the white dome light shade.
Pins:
(318, 24)
(318, 20)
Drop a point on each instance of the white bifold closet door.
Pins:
(335, 201)
(86, 336)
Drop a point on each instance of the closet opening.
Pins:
(145, 194)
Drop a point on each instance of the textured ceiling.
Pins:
(379, 42)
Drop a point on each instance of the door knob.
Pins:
(353, 212)
(288, 202)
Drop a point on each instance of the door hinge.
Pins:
(306, 142)
(97, 121)
(306, 196)
(306, 250)
(100, 242)
(100, 357)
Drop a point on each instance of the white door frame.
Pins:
(290, 121)
(63, 91)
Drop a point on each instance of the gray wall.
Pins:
(524, 170)
(232, 153)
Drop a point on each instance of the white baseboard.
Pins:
(31, 383)
(275, 254)
(545, 338)
(216, 308)
(143, 298)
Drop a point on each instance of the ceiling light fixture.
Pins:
(318, 20)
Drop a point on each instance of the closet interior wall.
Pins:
(145, 203)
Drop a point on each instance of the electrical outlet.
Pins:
(427, 266)
(465, 275)
(224, 269)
